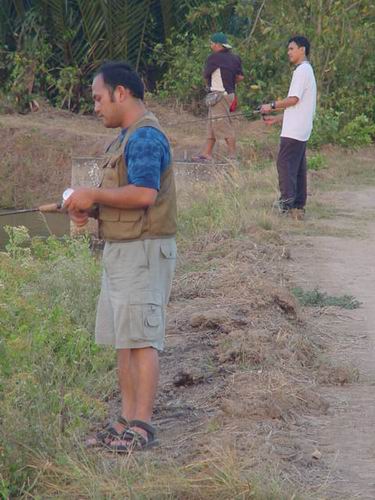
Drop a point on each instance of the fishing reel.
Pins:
(66, 194)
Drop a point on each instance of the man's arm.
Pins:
(79, 204)
(239, 78)
(279, 105)
(128, 196)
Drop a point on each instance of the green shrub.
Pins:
(316, 162)
(326, 128)
(358, 132)
(182, 56)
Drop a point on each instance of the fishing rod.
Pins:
(50, 208)
(44, 209)
(230, 115)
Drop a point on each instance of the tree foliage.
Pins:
(83, 33)
(342, 35)
(167, 40)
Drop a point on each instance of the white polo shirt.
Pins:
(298, 119)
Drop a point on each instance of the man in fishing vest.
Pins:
(136, 204)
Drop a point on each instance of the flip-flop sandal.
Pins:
(201, 159)
(131, 440)
(108, 434)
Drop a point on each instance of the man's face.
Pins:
(106, 104)
(296, 54)
(216, 47)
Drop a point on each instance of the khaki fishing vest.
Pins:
(156, 221)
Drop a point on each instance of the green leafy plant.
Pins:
(18, 243)
(326, 128)
(316, 298)
(179, 56)
(316, 162)
(69, 88)
(358, 132)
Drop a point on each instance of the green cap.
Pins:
(222, 39)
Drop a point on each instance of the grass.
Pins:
(219, 476)
(346, 169)
(316, 298)
(55, 383)
(236, 201)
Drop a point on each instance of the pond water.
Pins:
(38, 224)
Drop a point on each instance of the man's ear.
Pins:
(121, 93)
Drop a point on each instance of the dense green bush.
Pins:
(357, 132)
(180, 59)
(330, 128)
(326, 128)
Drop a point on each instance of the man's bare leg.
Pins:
(208, 148)
(231, 143)
(146, 366)
(127, 383)
(138, 371)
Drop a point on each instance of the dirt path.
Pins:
(345, 265)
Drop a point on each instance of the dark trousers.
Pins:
(292, 170)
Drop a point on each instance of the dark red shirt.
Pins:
(230, 66)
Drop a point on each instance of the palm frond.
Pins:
(63, 24)
(114, 29)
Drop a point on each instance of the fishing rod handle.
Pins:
(51, 207)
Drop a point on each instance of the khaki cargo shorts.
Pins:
(221, 128)
(136, 284)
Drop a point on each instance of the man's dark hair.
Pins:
(117, 73)
(301, 41)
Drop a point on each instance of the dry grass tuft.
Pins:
(219, 473)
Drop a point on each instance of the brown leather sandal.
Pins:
(108, 434)
(131, 440)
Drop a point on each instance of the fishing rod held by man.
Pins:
(47, 208)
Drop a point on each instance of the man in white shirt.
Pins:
(297, 122)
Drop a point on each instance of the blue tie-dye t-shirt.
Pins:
(147, 155)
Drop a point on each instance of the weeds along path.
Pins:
(345, 265)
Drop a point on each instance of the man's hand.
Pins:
(271, 120)
(82, 199)
(265, 108)
(79, 218)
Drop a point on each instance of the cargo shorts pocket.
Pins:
(146, 316)
(168, 249)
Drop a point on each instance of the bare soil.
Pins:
(345, 436)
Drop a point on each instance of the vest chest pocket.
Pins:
(146, 315)
(131, 215)
(111, 214)
(110, 171)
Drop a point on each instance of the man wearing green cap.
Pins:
(223, 70)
